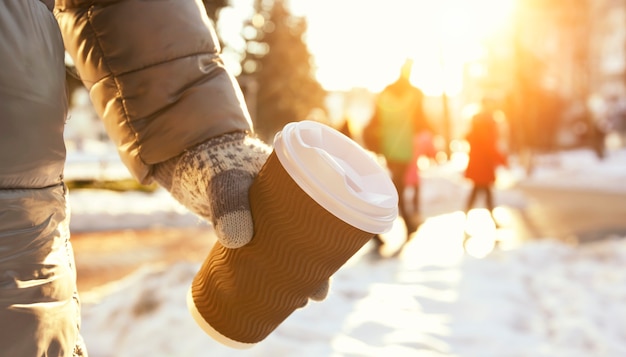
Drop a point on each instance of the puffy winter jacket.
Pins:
(38, 303)
(33, 104)
(155, 78)
(154, 75)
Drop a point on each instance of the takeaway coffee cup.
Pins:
(316, 201)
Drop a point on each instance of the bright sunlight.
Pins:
(362, 43)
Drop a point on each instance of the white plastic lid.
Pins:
(338, 174)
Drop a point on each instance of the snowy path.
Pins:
(534, 297)
(542, 299)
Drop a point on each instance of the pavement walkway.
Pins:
(526, 211)
(575, 215)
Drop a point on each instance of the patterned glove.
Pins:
(212, 180)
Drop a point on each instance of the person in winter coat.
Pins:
(484, 155)
(398, 118)
(423, 146)
(177, 117)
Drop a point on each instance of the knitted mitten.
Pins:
(212, 180)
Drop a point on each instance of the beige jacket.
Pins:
(155, 78)
(154, 75)
(33, 105)
(38, 307)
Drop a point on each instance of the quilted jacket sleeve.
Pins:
(154, 75)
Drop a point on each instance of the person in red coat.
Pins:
(484, 155)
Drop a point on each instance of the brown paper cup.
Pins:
(240, 296)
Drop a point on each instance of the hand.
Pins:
(212, 180)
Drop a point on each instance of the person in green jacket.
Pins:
(398, 118)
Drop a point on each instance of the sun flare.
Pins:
(361, 43)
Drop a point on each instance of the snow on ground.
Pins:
(582, 170)
(543, 298)
(101, 210)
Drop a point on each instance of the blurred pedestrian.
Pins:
(398, 117)
(423, 147)
(616, 118)
(484, 155)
